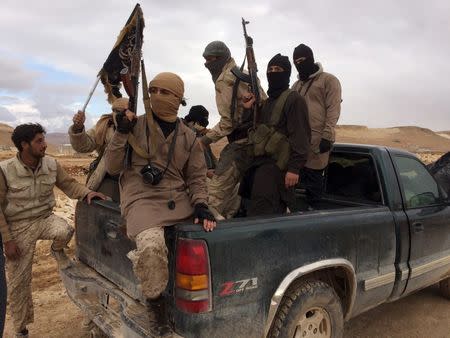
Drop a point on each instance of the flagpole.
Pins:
(91, 93)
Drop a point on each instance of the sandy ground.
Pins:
(424, 314)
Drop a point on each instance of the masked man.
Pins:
(96, 138)
(280, 143)
(164, 188)
(197, 120)
(26, 215)
(322, 92)
(233, 125)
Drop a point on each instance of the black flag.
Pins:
(123, 63)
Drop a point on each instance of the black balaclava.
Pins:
(220, 50)
(198, 114)
(278, 81)
(307, 67)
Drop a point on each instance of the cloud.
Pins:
(390, 57)
(5, 115)
(15, 77)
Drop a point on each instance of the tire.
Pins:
(444, 286)
(309, 309)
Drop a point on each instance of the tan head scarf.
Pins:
(166, 106)
(120, 104)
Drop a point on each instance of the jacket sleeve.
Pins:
(195, 174)
(333, 101)
(69, 185)
(83, 142)
(224, 94)
(299, 132)
(4, 228)
(115, 153)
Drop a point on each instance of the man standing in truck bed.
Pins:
(26, 215)
(233, 125)
(280, 142)
(322, 92)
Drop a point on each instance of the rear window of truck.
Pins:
(352, 177)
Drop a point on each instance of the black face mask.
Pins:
(306, 69)
(215, 67)
(278, 83)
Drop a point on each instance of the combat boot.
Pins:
(158, 308)
(61, 258)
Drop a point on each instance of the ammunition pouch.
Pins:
(267, 141)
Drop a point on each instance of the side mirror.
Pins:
(423, 199)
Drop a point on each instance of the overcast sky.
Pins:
(392, 58)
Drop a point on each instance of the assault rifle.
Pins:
(251, 78)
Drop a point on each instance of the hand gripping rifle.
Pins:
(251, 78)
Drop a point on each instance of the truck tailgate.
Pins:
(114, 312)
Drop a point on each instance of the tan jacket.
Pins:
(323, 99)
(25, 194)
(96, 138)
(224, 93)
(144, 205)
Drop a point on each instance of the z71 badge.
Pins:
(232, 288)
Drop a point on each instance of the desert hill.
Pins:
(57, 138)
(414, 139)
(411, 138)
(53, 139)
(5, 136)
(445, 134)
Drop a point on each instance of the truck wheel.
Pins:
(310, 309)
(444, 287)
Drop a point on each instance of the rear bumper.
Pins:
(115, 313)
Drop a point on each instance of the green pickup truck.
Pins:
(381, 232)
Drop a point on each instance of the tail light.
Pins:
(193, 277)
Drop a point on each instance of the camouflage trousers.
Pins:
(223, 198)
(150, 263)
(26, 233)
(223, 188)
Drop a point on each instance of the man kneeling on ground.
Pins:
(26, 215)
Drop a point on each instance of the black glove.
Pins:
(325, 145)
(124, 125)
(202, 212)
